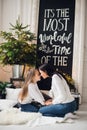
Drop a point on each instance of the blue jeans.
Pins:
(58, 110)
(28, 108)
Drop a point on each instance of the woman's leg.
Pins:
(28, 108)
(58, 110)
(52, 110)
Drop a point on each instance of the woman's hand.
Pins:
(48, 102)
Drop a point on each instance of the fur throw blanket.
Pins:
(15, 116)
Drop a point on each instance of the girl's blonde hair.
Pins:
(29, 79)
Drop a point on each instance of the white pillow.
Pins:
(12, 93)
(6, 103)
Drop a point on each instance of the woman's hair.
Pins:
(29, 79)
(48, 68)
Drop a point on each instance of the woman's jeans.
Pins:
(58, 110)
(28, 108)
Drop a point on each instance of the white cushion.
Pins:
(12, 94)
(6, 103)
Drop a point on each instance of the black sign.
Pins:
(55, 34)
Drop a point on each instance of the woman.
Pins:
(30, 92)
(62, 101)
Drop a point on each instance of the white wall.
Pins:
(9, 12)
(79, 42)
(26, 9)
(0, 14)
(84, 96)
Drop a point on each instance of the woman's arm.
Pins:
(58, 89)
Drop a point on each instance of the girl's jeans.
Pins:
(28, 108)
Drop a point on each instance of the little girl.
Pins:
(30, 92)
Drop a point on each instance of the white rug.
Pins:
(78, 124)
(14, 116)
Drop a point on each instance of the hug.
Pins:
(60, 101)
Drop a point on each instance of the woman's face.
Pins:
(37, 76)
(43, 74)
